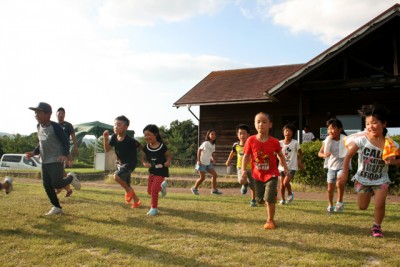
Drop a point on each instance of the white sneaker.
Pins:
(152, 212)
(164, 188)
(75, 182)
(282, 202)
(290, 198)
(55, 211)
(8, 181)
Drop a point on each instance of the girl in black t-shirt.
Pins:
(157, 158)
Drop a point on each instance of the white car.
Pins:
(19, 162)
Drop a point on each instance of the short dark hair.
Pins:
(336, 123)
(123, 118)
(61, 109)
(290, 127)
(243, 127)
(380, 112)
(265, 114)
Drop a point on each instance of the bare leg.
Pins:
(270, 211)
(331, 191)
(340, 190)
(213, 179)
(200, 180)
(380, 205)
(287, 184)
(282, 187)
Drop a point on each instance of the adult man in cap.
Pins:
(53, 148)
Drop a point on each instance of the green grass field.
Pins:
(99, 229)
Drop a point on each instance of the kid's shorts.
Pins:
(124, 173)
(204, 168)
(360, 188)
(291, 172)
(267, 191)
(331, 176)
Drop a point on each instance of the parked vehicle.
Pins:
(19, 162)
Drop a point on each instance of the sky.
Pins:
(103, 58)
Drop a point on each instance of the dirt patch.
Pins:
(320, 196)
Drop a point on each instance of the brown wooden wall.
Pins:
(318, 107)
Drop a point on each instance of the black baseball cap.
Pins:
(46, 108)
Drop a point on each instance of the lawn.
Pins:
(98, 229)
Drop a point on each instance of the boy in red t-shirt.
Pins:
(261, 149)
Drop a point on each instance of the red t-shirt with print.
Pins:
(263, 157)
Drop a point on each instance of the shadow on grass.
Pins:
(55, 232)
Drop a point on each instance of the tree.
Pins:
(181, 138)
(18, 144)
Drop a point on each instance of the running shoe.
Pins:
(339, 207)
(164, 188)
(136, 204)
(253, 203)
(129, 197)
(9, 183)
(54, 211)
(330, 209)
(282, 202)
(152, 212)
(290, 198)
(75, 182)
(194, 191)
(376, 231)
(243, 190)
(216, 192)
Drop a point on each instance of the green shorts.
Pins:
(266, 191)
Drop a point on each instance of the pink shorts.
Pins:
(360, 188)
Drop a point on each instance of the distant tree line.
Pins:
(180, 137)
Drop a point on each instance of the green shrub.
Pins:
(313, 173)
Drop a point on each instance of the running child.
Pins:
(293, 156)
(204, 163)
(242, 132)
(333, 151)
(262, 150)
(372, 177)
(157, 158)
(126, 150)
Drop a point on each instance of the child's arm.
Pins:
(245, 161)
(169, 159)
(392, 161)
(144, 161)
(198, 156)
(229, 160)
(321, 153)
(213, 160)
(282, 160)
(106, 145)
(346, 163)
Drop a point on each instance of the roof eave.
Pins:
(233, 102)
(324, 56)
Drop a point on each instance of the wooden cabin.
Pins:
(362, 68)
